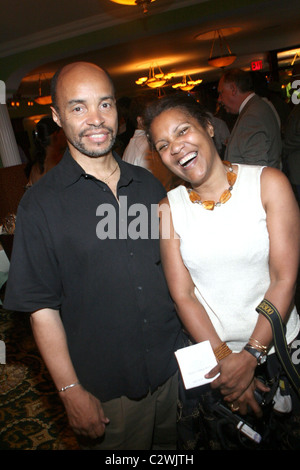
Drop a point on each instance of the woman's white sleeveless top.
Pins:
(227, 253)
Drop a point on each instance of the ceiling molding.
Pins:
(83, 26)
(62, 32)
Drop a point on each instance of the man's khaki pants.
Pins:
(145, 424)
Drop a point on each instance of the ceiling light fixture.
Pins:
(295, 57)
(154, 80)
(42, 99)
(143, 3)
(187, 85)
(224, 59)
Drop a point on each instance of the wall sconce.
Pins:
(14, 103)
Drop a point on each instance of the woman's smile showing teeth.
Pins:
(187, 159)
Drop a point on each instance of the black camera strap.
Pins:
(267, 309)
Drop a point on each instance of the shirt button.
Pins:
(140, 288)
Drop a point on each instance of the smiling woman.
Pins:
(217, 290)
(183, 135)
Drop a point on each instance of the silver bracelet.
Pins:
(69, 386)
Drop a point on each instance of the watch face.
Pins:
(262, 359)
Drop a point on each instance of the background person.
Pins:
(291, 145)
(255, 138)
(291, 149)
(138, 151)
(50, 145)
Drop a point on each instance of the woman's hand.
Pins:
(248, 401)
(236, 374)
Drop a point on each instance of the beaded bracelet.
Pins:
(222, 351)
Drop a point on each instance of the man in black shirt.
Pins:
(86, 263)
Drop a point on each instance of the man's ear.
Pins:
(233, 88)
(55, 116)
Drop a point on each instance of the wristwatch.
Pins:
(260, 356)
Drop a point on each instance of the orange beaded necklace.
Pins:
(225, 196)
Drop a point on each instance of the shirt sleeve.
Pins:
(34, 280)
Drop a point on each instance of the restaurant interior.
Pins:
(147, 46)
(187, 43)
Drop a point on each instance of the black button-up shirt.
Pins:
(96, 259)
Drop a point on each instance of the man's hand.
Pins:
(85, 413)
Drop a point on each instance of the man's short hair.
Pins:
(54, 81)
(242, 79)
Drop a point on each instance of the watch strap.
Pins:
(257, 354)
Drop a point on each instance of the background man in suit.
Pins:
(255, 138)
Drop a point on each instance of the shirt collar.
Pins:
(72, 171)
(245, 101)
(139, 132)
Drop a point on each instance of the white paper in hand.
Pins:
(194, 362)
